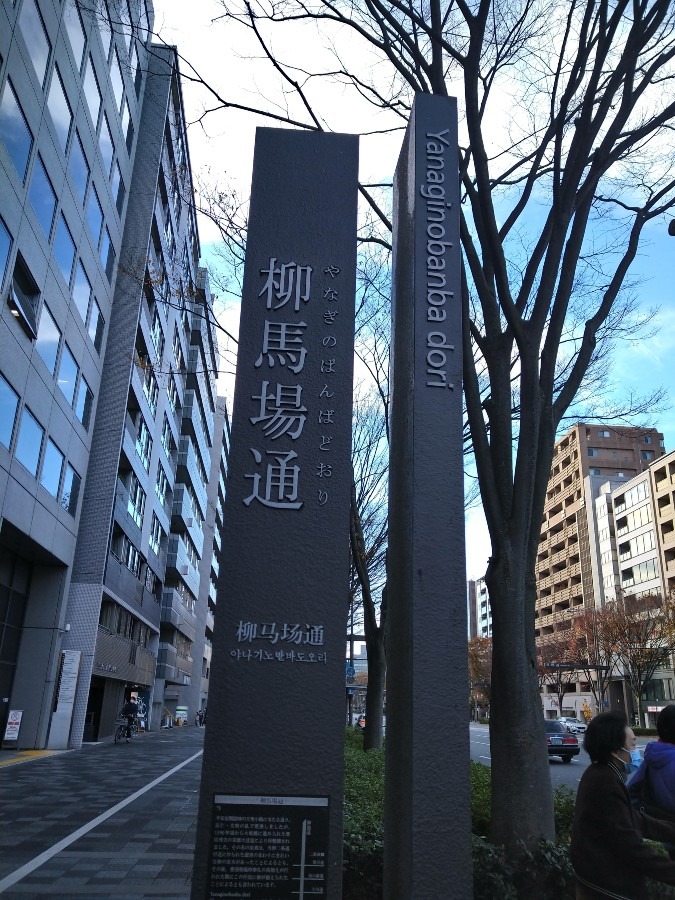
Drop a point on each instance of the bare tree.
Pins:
(641, 631)
(565, 157)
(594, 651)
(556, 668)
(480, 671)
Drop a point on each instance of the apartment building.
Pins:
(107, 372)
(480, 614)
(574, 535)
(662, 481)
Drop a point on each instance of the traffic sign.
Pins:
(351, 671)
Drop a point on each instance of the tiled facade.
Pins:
(108, 359)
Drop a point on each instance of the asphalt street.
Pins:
(561, 773)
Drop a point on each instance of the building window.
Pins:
(52, 466)
(117, 81)
(67, 377)
(48, 338)
(127, 126)
(75, 31)
(647, 455)
(5, 250)
(92, 91)
(106, 146)
(167, 437)
(135, 67)
(14, 131)
(104, 27)
(127, 22)
(161, 485)
(603, 433)
(172, 394)
(594, 471)
(29, 441)
(24, 297)
(9, 403)
(79, 169)
(107, 255)
(70, 491)
(35, 36)
(157, 334)
(96, 325)
(42, 197)
(150, 389)
(64, 249)
(144, 445)
(136, 504)
(94, 216)
(593, 452)
(156, 535)
(647, 439)
(118, 189)
(84, 403)
(59, 109)
(81, 291)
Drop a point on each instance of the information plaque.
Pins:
(267, 847)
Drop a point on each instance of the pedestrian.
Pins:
(130, 710)
(652, 787)
(204, 717)
(607, 850)
(201, 717)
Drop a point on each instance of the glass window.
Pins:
(84, 402)
(156, 535)
(107, 255)
(9, 403)
(91, 91)
(35, 36)
(42, 197)
(81, 291)
(143, 22)
(52, 466)
(47, 342)
(94, 215)
(104, 27)
(135, 67)
(14, 130)
(96, 325)
(127, 126)
(79, 169)
(59, 109)
(67, 374)
(118, 189)
(29, 441)
(5, 248)
(116, 80)
(127, 22)
(64, 249)
(71, 490)
(106, 146)
(75, 30)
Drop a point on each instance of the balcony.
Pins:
(178, 563)
(192, 426)
(118, 657)
(174, 612)
(215, 565)
(188, 470)
(123, 517)
(209, 621)
(124, 584)
(171, 666)
(184, 519)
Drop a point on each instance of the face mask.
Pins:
(635, 759)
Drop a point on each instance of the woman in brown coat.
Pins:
(607, 850)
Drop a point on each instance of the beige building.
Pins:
(577, 562)
(663, 491)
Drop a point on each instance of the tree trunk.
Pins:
(377, 670)
(517, 737)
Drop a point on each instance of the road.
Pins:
(561, 773)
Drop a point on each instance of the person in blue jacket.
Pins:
(654, 781)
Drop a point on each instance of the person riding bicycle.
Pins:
(130, 710)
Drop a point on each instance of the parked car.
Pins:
(560, 742)
(574, 726)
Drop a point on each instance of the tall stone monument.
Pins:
(427, 851)
(270, 816)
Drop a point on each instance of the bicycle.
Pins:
(120, 734)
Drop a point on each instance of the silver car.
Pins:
(574, 726)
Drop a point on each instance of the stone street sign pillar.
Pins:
(270, 817)
(427, 850)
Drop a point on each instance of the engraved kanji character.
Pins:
(293, 634)
(281, 482)
(283, 339)
(314, 635)
(246, 631)
(268, 630)
(280, 410)
(286, 281)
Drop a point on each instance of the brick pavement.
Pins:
(142, 850)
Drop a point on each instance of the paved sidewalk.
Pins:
(142, 849)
